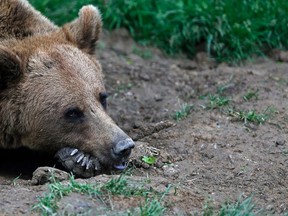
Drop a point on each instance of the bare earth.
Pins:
(210, 154)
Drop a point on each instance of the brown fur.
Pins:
(45, 70)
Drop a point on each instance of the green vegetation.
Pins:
(151, 208)
(230, 30)
(149, 159)
(60, 11)
(47, 204)
(252, 115)
(239, 208)
(250, 95)
(216, 101)
(226, 105)
(183, 112)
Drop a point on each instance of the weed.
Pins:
(47, 204)
(222, 88)
(240, 207)
(14, 182)
(244, 207)
(184, 111)
(250, 95)
(118, 186)
(252, 115)
(151, 207)
(154, 207)
(208, 208)
(216, 101)
(149, 159)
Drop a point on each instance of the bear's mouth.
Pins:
(84, 165)
(121, 166)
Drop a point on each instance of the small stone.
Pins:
(280, 142)
(43, 175)
(170, 171)
(144, 77)
(158, 97)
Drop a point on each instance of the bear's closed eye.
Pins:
(74, 115)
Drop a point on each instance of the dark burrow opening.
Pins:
(23, 162)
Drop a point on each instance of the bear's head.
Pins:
(53, 97)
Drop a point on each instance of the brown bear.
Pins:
(52, 95)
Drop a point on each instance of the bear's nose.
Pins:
(123, 147)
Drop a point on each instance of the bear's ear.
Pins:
(10, 68)
(86, 29)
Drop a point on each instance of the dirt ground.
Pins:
(208, 155)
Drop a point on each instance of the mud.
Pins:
(209, 154)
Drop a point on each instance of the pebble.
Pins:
(170, 171)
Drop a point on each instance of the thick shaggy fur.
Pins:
(46, 70)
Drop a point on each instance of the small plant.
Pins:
(250, 95)
(119, 186)
(216, 101)
(149, 159)
(152, 208)
(253, 116)
(239, 208)
(14, 182)
(47, 204)
(184, 111)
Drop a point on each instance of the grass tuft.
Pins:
(184, 111)
(216, 101)
(47, 205)
(239, 208)
(251, 95)
(253, 116)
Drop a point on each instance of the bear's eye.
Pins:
(74, 115)
(103, 99)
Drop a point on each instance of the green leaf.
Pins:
(149, 159)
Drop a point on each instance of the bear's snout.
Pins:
(123, 148)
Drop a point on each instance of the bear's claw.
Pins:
(78, 162)
(74, 152)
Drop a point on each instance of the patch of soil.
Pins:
(210, 153)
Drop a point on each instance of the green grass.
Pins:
(183, 112)
(152, 207)
(239, 208)
(47, 205)
(224, 104)
(230, 30)
(217, 101)
(60, 11)
(251, 95)
(252, 115)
